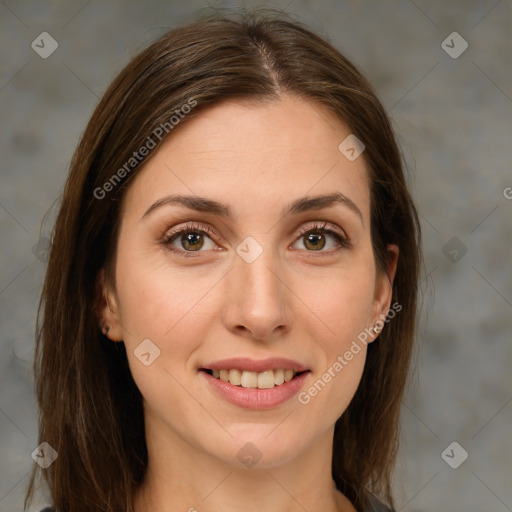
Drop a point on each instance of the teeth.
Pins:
(249, 380)
(235, 377)
(264, 380)
(288, 375)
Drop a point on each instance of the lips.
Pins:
(256, 384)
(256, 398)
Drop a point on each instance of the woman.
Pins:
(230, 300)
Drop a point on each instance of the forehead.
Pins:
(254, 151)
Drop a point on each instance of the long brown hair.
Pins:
(90, 409)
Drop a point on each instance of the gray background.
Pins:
(453, 118)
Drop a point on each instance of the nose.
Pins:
(257, 299)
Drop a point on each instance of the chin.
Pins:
(255, 448)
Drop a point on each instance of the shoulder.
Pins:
(47, 509)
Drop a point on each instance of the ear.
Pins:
(106, 309)
(384, 290)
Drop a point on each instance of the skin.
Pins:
(304, 302)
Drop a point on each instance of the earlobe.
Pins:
(106, 309)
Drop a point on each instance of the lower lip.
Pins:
(254, 398)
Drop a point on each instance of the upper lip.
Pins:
(253, 365)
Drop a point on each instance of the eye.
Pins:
(315, 237)
(190, 237)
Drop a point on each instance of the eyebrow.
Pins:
(300, 205)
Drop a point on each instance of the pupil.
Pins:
(315, 240)
(192, 239)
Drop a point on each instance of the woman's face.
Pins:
(252, 276)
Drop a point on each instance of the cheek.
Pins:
(165, 307)
(341, 299)
(172, 308)
(155, 297)
(330, 392)
(343, 303)
(339, 370)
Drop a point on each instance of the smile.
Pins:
(255, 390)
(261, 380)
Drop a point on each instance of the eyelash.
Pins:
(342, 240)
